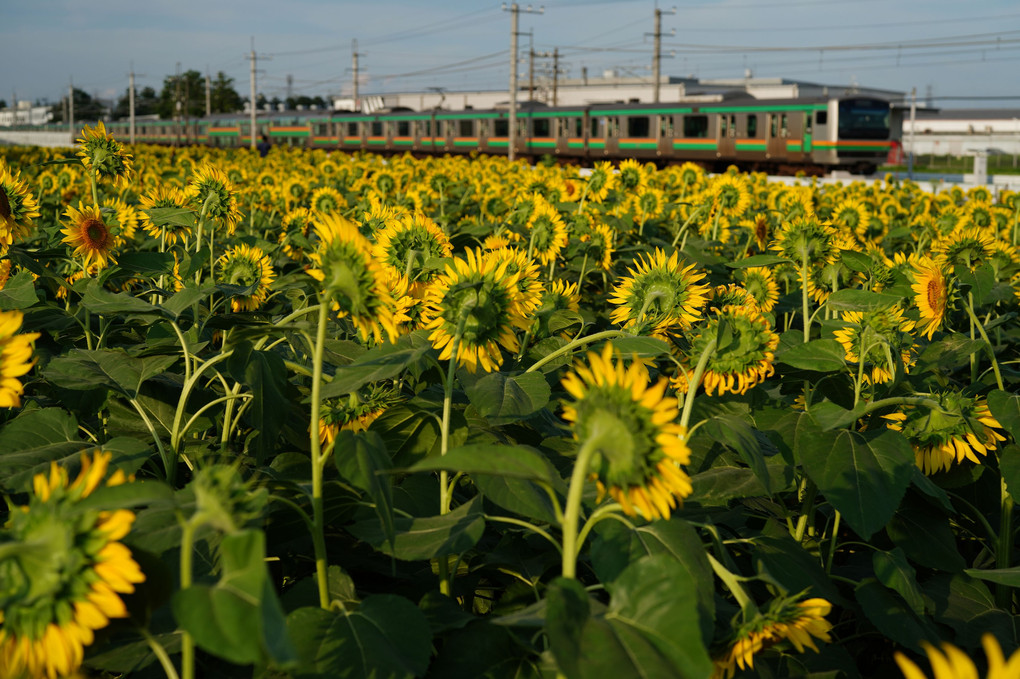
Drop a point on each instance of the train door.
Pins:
(727, 141)
(778, 131)
(667, 131)
(597, 132)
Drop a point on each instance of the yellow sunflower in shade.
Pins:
(760, 283)
(246, 267)
(949, 662)
(931, 293)
(215, 196)
(406, 246)
(730, 195)
(17, 207)
(496, 242)
(639, 446)
(294, 230)
(124, 223)
(354, 279)
(547, 234)
(852, 215)
(15, 357)
(104, 155)
(529, 286)
(660, 295)
(354, 412)
(743, 354)
(967, 246)
(65, 578)
(170, 229)
(760, 229)
(600, 182)
(89, 235)
(731, 294)
(559, 296)
(327, 200)
(959, 428)
(806, 238)
(799, 623)
(885, 334)
(474, 305)
(632, 177)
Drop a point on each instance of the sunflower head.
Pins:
(327, 200)
(884, 336)
(600, 182)
(66, 579)
(210, 188)
(950, 662)
(730, 195)
(630, 427)
(17, 207)
(165, 196)
(408, 249)
(249, 269)
(356, 411)
(15, 357)
(547, 233)
(558, 297)
(933, 292)
(89, 235)
(104, 155)
(633, 177)
(660, 296)
(806, 238)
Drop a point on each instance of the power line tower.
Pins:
(354, 72)
(514, 17)
(657, 54)
(253, 57)
(131, 103)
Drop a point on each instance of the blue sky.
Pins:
(954, 48)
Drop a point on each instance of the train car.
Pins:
(776, 136)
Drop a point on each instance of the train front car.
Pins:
(858, 134)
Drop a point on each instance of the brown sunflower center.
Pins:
(5, 206)
(95, 234)
(936, 295)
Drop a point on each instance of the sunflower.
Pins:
(89, 235)
(660, 295)
(931, 287)
(529, 286)
(731, 294)
(806, 238)
(15, 357)
(407, 249)
(170, 229)
(632, 177)
(124, 223)
(967, 246)
(354, 279)
(211, 189)
(886, 335)
(66, 577)
(294, 229)
(730, 194)
(559, 296)
(474, 300)
(104, 155)
(760, 229)
(17, 207)
(800, 623)
(648, 204)
(355, 412)
(249, 268)
(547, 233)
(760, 283)
(743, 355)
(600, 182)
(950, 662)
(327, 200)
(959, 428)
(640, 447)
(295, 190)
(598, 245)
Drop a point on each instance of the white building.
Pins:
(24, 113)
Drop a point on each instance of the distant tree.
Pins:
(319, 101)
(185, 94)
(274, 103)
(146, 103)
(224, 98)
(86, 108)
(3, 103)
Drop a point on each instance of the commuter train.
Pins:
(813, 135)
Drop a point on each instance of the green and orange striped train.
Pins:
(814, 135)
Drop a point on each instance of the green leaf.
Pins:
(642, 347)
(502, 398)
(443, 613)
(34, 439)
(887, 611)
(718, 485)
(520, 462)
(737, 435)
(1000, 576)
(793, 567)
(146, 263)
(82, 370)
(567, 613)
(106, 303)
(864, 476)
(822, 355)
(856, 261)
(383, 362)
(519, 496)
(239, 618)
(171, 216)
(18, 292)
(411, 433)
(852, 299)
(967, 606)
(1005, 407)
(980, 282)
(362, 460)
(757, 260)
(1009, 466)
(419, 539)
(894, 571)
(386, 637)
(270, 407)
(926, 537)
(184, 299)
(948, 353)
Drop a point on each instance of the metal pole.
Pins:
(1016, 138)
(252, 107)
(556, 72)
(131, 107)
(511, 151)
(70, 105)
(656, 59)
(354, 68)
(531, 74)
(913, 111)
(208, 94)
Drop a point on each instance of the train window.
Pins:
(540, 127)
(466, 128)
(665, 126)
(352, 130)
(752, 126)
(784, 126)
(639, 126)
(774, 122)
(376, 128)
(696, 126)
(733, 125)
(612, 127)
(722, 125)
(322, 129)
(822, 117)
(501, 128)
(403, 128)
(597, 127)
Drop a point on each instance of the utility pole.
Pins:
(913, 110)
(177, 104)
(290, 88)
(531, 74)
(354, 70)
(131, 105)
(657, 55)
(253, 58)
(514, 12)
(556, 72)
(208, 93)
(70, 106)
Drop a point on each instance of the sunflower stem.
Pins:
(747, 605)
(1003, 593)
(575, 494)
(607, 511)
(187, 642)
(832, 542)
(445, 489)
(318, 514)
(804, 294)
(160, 653)
(810, 491)
(584, 270)
(694, 381)
(977, 325)
(683, 229)
(95, 188)
(579, 342)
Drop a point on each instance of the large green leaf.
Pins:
(567, 613)
(864, 476)
(521, 462)
(852, 299)
(789, 564)
(821, 355)
(642, 347)
(502, 398)
(968, 607)
(1005, 406)
(146, 263)
(426, 538)
(239, 618)
(363, 461)
(893, 617)
(520, 496)
(1009, 466)
(18, 292)
(106, 303)
(926, 537)
(266, 375)
(184, 299)
(31, 441)
(737, 435)
(82, 370)
(411, 433)
(894, 571)
(383, 362)
(385, 637)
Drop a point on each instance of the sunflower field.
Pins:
(322, 415)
